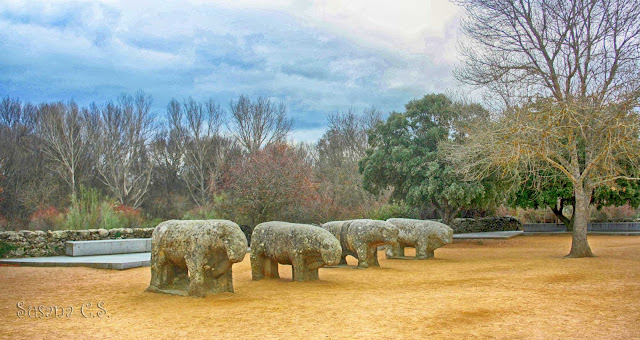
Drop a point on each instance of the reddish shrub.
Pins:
(132, 216)
(270, 184)
(45, 218)
(127, 211)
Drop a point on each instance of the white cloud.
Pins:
(391, 24)
(405, 26)
(316, 56)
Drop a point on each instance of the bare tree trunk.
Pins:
(580, 245)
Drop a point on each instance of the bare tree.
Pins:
(569, 72)
(564, 49)
(339, 150)
(27, 183)
(259, 123)
(123, 137)
(167, 196)
(346, 139)
(197, 127)
(64, 139)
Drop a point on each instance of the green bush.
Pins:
(152, 223)
(110, 219)
(6, 247)
(201, 213)
(84, 212)
(91, 210)
(387, 211)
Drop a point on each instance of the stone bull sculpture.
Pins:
(424, 236)
(195, 257)
(361, 238)
(305, 247)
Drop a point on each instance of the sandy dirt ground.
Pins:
(510, 289)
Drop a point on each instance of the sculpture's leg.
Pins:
(390, 251)
(421, 251)
(372, 254)
(257, 266)
(270, 268)
(178, 276)
(363, 256)
(430, 254)
(394, 251)
(196, 278)
(220, 284)
(158, 273)
(220, 267)
(301, 272)
(218, 277)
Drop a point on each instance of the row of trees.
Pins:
(197, 156)
(425, 158)
(188, 162)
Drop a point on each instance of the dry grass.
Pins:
(520, 288)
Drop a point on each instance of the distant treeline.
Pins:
(121, 165)
(67, 166)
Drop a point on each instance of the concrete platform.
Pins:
(108, 247)
(488, 235)
(118, 262)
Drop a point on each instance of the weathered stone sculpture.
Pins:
(361, 238)
(425, 236)
(195, 257)
(303, 246)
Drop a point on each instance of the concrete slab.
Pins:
(488, 235)
(108, 247)
(118, 262)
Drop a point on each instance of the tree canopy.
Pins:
(406, 157)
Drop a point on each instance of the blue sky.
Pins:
(318, 57)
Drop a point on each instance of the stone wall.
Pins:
(485, 224)
(26, 243)
(595, 227)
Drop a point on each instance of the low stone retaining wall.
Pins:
(597, 226)
(485, 224)
(27, 243)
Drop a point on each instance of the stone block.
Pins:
(108, 247)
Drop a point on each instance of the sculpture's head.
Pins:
(388, 232)
(233, 241)
(442, 235)
(330, 249)
(375, 232)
